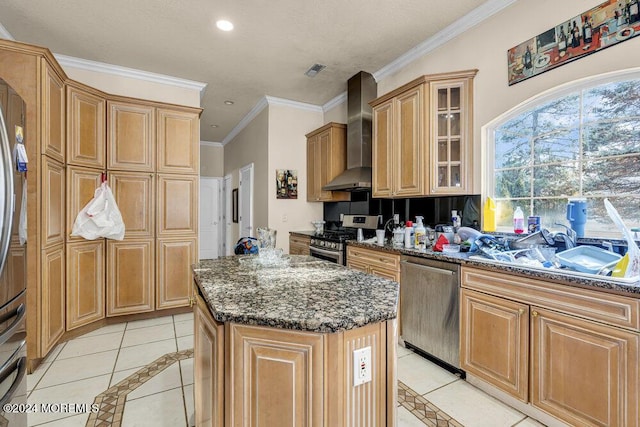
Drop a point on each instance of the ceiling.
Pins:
(268, 52)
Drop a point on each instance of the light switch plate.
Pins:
(361, 366)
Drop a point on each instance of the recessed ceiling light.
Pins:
(227, 102)
(224, 25)
(214, 126)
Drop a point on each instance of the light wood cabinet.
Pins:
(422, 137)
(299, 245)
(130, 277)
(374, 262)
(85, 285)
(326, 159)
(584, 346)
(86, 131)
(178, 141)
(52, 297)
(81, 186)
(208, 365)
(177, 205)
(173, 276)
(131, 136)
(135, 195)
(53, 202)
(53, 113)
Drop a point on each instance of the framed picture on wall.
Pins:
(286, 184)
(234, 205)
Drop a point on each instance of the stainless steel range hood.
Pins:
(361, 89)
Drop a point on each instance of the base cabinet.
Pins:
(299, 245)
(52, 302)
(583, 366)
(85, 283)
(174, 260)
(130, 277)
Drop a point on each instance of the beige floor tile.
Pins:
(147, 334)
(53, 354)
(402, 351)
(472, 407)
(189, 405)
(529, 422)
(184, 328)
(407, 419)
(185, 343)
(186, 367)
(109, 329)
(160, 409)
(182, 317)
(32, 379)
(73, 421)
(78, 392)
(165, 380)
(141, 355)
(88, 345)
(149, 322)
(421, 375)
(77, 368)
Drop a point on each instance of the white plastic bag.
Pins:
(633, 252)
(100, 217)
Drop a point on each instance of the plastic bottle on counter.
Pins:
(489, 215)
(455, 219)
(420, 234)
(409, 234)
(518, 221)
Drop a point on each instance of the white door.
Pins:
(210, 217)
(245, 201)
(228, 241)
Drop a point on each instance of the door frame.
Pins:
(227, 226)
(218, 202)
(241, 189)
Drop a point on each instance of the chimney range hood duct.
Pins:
(361, 89)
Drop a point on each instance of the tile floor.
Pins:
(147, 367)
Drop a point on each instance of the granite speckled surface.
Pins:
(307, 294)
(631, 289)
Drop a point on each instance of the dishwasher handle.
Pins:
(429, 268)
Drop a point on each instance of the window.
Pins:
(580, 140)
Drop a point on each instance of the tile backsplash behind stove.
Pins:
(436, 210)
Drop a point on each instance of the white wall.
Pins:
(288, 150)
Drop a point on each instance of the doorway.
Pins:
(210, 218)
(245, 201)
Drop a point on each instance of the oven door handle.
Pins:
(19, 365)
(329, 253)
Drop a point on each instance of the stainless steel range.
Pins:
(331, 245)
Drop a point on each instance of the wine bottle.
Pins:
(528, 64)
(576, 35)
(586, 31)
(562, 43)
(634, 12)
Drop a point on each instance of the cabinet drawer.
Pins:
(375, 258)
(602, 307)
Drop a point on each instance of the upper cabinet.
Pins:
(422, 137)
(53, 113)
(131, 136)
(326, 159)
(178, 140)
(85, 126)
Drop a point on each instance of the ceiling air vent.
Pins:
(315, 69)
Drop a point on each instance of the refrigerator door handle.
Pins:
(19, 313)
(19, 365)
(6, 189)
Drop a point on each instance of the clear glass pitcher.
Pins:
(266, 238)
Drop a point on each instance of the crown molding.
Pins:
(450, 32)
(211, 144)
(5, 34)
(272, 100)
(332, 103)
(85, 64)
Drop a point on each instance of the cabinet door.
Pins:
(178, 141)
(313, 169)
(135, 196)
(52, 301)
(130, 277)
(583, 372)
(177, 205)
(53, 202)
(85, 128)
(382, 153)
(174, 260)
(81, 186)
(409, 162)
(53, 113)
(494, 341)
(208, 361)
(268, 359)
(130, 137)
(85, 283)
(451, 166)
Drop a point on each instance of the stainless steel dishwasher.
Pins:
(429, 307)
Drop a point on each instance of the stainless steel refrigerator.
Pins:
(13, 387)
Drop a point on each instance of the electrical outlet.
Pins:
(361, 366)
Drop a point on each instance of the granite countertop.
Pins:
(308, 294)
(631, 289)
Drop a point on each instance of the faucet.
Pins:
(569, 237)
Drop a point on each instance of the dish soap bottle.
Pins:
(420, 234)
(489, 215)
(518, 221)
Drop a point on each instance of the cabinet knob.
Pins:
(521, 311)
(534, 313)
(192, 301)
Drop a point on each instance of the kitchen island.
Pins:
(274, 344)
